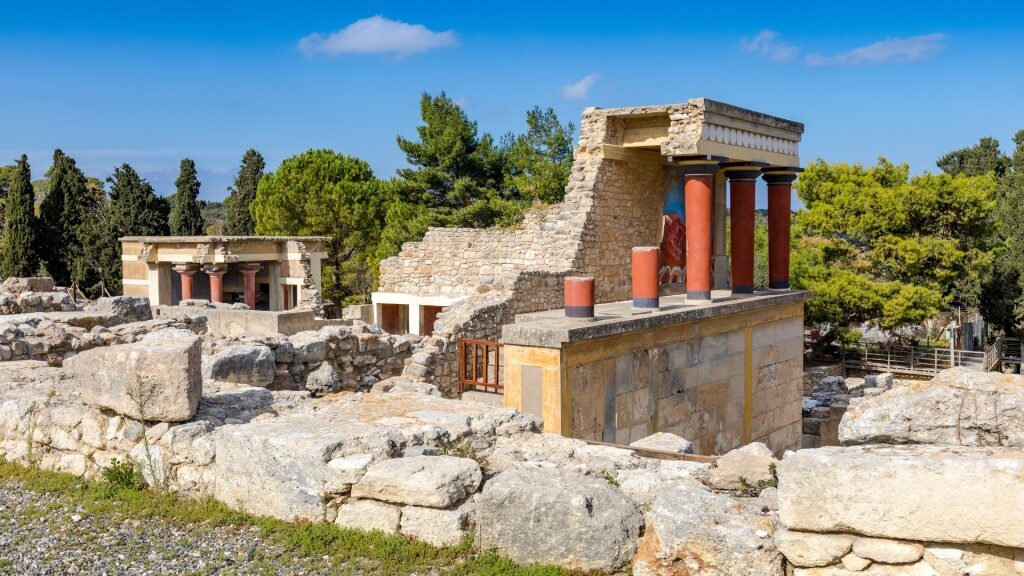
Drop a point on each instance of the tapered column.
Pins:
(216, 274)
(186, 272)
(741, 223)
(698, 195)
(780, 191)
(249, 281)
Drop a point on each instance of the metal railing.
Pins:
(480, 365)
(906, 359)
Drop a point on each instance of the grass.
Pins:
(378, 552)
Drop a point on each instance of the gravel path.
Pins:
(49, 534)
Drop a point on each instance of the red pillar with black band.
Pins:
(741, 222)
(780, 192)
(216, 274)
(579, 297)
(698, 198)
(645, 278)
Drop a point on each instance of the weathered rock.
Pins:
(922, 493)
(807, 549)
(308, 347)
(665, 442)
(752, 463)
(128, 308)
(538, 515)
(432, 481)
(644, 485)
(369, 515)
(161, 378)
(323, 380)
(959, 407)
(887, 551)
(438, 527)
(855, 563)
(978, 559)
(916, 569)
(249, 364)
(693, 531)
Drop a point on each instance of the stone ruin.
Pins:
(319, 426)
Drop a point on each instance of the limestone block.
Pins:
(751, 462)
(917, 569)
(438, 527)
(855, 563)
(308, 346)
(888, 551)
(923, 493)
(550, 516)
(666, 442)
(249, 364)
(690, 530)
(163, 375)
(433, 481)
(128, 308)
(959, 407)
(808, 549)
(369, 515)
(323, 380)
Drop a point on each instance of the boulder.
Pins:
(807, 549)
(694, 531)
(551, 516)
(128, 308)
(922, 493)
(160, 378)
(665, 442)
(16, 285)
(249, 364)
(368, 515)
(432, 481)
(323, 380)
(308, 347)
(753, 463)
(959, 407)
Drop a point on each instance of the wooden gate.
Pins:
(480, 365)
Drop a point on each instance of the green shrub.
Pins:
(123, 475)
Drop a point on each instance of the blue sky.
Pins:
(149, 83)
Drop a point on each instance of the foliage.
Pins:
(877, 244)
(186, 215)
(321, 192)
(240, 221)
(1002, 293)
(19, 251)
(373, 552)
(215, 215)
(539, 160)
(123, 475)
(134, 209)
(60, 214)
(979, 160)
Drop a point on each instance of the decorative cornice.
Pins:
(748, 139)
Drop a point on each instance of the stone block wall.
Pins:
(719, 383)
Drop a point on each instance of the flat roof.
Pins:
(209, 239)
(552, 329)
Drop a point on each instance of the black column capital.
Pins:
(699, 169)
(780, 175)
(751, 174)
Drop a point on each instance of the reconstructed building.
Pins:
(718, 362)
(265, 272)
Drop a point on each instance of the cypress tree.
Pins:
(59, 217)
(186, 216)
(240, 221)
(134, 210)
(19, 254)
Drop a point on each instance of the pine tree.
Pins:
(186, 216)
(19, 254)
(59, 216)
(240, 221)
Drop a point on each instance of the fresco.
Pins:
(672, 252)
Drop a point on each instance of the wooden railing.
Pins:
(905, 359)
(994, 356)
(480, 365)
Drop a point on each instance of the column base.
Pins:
(743, 289)
(579, 311)
(698, 295)
(646, 303)
(778, 285)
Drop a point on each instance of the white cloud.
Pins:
(377, 35)
(580, 89)
(767, 44)
(892, 50)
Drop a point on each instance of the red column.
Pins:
(216, 282)
(249, 277)
(645, 277)
(741, 221)
(780, 191)
(579, 297)
(186, 272)
(699, 198)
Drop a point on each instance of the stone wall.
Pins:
(36, 294)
